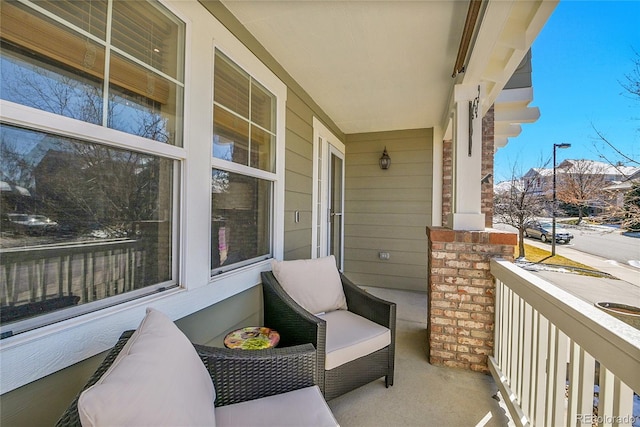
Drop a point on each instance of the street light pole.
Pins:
(553, 219)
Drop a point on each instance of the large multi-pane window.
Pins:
(243, 176)
(84, 219)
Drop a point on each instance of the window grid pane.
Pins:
(241, 218)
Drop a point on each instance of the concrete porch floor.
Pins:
(423, 395)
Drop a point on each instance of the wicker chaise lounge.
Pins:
(251, 388)
(299, 326)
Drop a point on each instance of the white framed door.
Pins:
(328, 194)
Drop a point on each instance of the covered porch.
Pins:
(438, 86)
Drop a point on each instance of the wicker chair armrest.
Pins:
(70, 417)
(369, 306)
(295, 324)
(241, 375)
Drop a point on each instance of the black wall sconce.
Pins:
(385, 160)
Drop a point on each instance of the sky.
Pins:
(580, 59)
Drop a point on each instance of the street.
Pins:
(601, 241)
(608, 243)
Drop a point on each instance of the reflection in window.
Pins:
(244, 117)
(80, 222)
(241, 218)
(50, 65)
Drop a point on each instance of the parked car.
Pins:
(29, 223)
(544, 230)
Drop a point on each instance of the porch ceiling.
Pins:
(387, 65)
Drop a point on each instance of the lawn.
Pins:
(537, 255)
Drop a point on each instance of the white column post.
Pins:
(467, 158)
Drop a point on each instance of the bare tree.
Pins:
(581, 185)
(518, 203)
(631, 208)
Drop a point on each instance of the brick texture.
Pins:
(461, 295)
(447, 179)
(486, 195)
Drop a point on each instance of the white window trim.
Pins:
(35, 354)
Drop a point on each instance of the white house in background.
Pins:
(610, 173)
(540, 180)
(618, 190)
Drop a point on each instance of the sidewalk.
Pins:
(622, 272)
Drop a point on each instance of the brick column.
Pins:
(461, 295)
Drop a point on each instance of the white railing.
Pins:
(552, 349)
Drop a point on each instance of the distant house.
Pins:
(617, 190)
(538, 180)
(610, 173)
(616, 180)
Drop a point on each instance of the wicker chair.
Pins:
(238, 375)
(298, 326)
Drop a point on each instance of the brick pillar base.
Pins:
(461, 295)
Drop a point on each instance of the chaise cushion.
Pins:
(313, 283)
(303, 407)
(350, 337)
(157, 379)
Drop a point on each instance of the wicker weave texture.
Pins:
(298, 326)
(238, 375)
(241, 375)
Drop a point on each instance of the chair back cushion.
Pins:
(313, 283)
(157, 379)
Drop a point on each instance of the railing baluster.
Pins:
(61, 276)
(581, 381)
(558, 378)
(605, 393)
(42, 276)
(515, 332)
(521, 351)
(85, 268)
(32, 279)
(527, 358)
(504, 342)
(541, 372)
(13, 296)
(622, 404)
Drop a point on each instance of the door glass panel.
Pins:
(336, 209)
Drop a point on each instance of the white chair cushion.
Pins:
(304, 407)
(350, 336)
(313, 283)
(157, 379)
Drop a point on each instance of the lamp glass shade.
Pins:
(385, 160)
